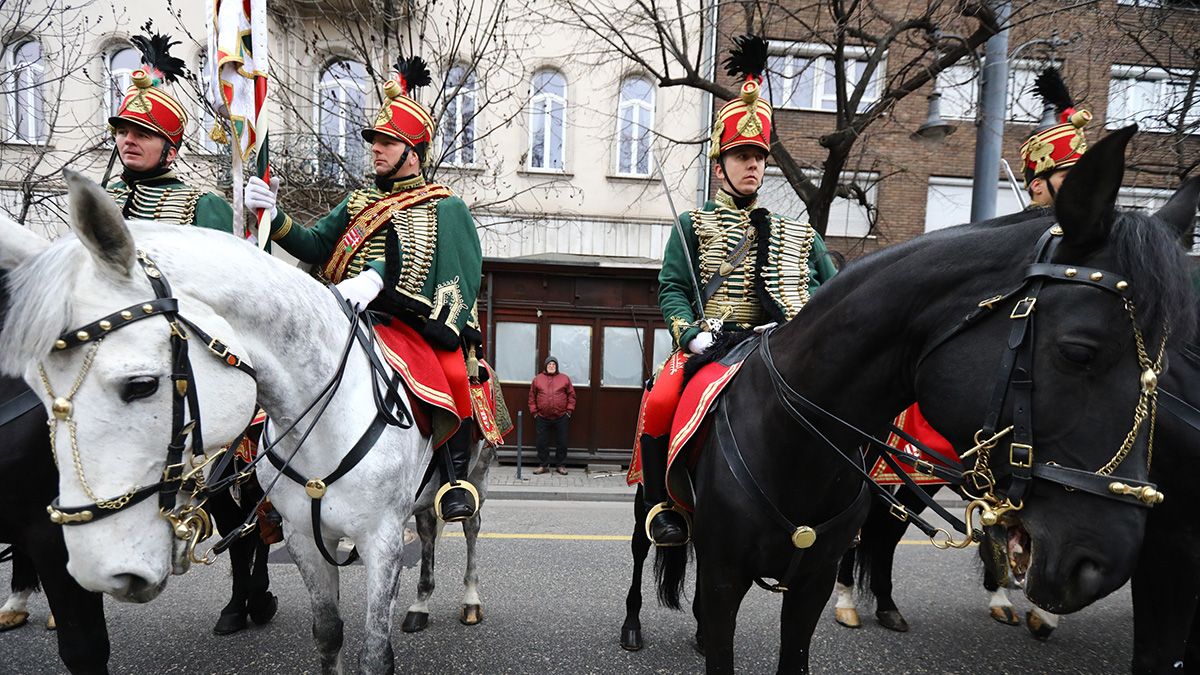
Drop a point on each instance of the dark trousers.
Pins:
(544, 428)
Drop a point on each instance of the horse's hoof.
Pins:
(698, 645)
(470, 615)
(847, 616)
(1005, 615)
(1037, 628)
(262, 608)
(891, 619)
(415, 622)
(11, 620)
(631, 639)
(51, 624)
(228, 624)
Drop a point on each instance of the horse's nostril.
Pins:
(135, 588)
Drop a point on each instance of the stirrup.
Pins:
(455, 485)
(667, 506)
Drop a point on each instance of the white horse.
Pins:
(283, 322)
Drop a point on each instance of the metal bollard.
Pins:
(520, 441)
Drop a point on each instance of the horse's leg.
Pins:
(1000, 607)
(79, 614)
(881, 535)
(639, 546)
(472, 607)
(229, 516)
(697, 610)
(724, 589)
(802, 606)
(1165, 590)
(382, 558)
(14, 613)
(417, 618)
(845, 611)
(321, 579)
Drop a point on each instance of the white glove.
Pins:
(700, 343)
(258, 195)
(362, 289)
(765, 327)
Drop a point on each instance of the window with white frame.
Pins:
(1154, 99)
(948, 201)
(802, 77)
(1151, 200)
(341, 117)
(25, 103)
(457, 129)
(847, 217)
(122, 61)
(959, 86)
(635, 121)
(548, 121)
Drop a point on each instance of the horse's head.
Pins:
(1109, 287)
(114, 388)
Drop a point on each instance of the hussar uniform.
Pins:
(159, 194)
(421, 240)
(753, 266)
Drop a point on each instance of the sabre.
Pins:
(1012, 183)
(683, 242)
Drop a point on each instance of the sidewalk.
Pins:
(595, 483)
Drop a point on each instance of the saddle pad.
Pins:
(689, 428)
(913, 423)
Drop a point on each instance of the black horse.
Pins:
(890, 330)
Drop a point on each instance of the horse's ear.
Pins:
(17, 243)
(1085, 202)
(1180, 211)
(100, 225)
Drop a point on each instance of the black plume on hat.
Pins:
(156, 53)
(1049, 86)
(748, 57)
(414, 73)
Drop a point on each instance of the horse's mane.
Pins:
(40, 295)
(1149, 254)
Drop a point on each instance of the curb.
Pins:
(565, 494)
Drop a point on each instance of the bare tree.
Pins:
(877, 54)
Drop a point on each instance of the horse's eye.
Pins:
(139, 387)
(1077, 353)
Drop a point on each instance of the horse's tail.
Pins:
(670, 571)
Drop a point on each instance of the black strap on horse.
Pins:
(1179, 408)
(185, 409)
(802, 536)
(1015, 375)
(18, 405)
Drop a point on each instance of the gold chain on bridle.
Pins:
(190, 522)
(979, 483)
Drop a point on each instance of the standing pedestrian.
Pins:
(551, 402)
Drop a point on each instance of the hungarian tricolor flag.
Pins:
(237, 44)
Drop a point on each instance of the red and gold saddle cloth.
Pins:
(685, 414)
(438, 382)
(913, 423)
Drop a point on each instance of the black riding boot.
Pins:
(665, 526)
(457, 499)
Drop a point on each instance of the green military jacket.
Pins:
(167, 199)
(786, 261)
(425, 248)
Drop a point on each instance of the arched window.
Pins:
(342, 115)
(457, 129)
(122, 61)
(635, 120)
(24, 71)
(548, 121)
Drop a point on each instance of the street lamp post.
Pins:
(989, 135)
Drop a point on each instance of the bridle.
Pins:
(188, 519)
(1014, 383)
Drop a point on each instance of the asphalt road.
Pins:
(553, 581)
